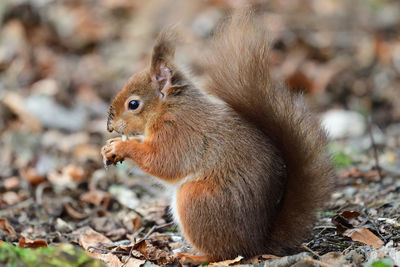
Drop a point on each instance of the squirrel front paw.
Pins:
(111, 153)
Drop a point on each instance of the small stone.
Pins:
(342, 123)
(63, 226)
(124, 195)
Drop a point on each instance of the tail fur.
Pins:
(238, 70)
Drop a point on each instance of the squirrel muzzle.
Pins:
(110, 128)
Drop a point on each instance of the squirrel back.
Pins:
(239, 75)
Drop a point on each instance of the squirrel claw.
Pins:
(105, 164)
(109, 154)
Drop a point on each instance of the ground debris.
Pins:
(61, 63)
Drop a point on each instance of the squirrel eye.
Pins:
(133, 104)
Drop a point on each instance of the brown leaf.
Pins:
(153, 253)
(333, 258)
(365, 236)
(137, 223)
(97, 198)
(134, 262)
(73, 213)
(26, 243)
(11, 198)
(110, 259)
(226, 262)
(15, 103)
(105, 224)
(350, 214)
(87, 237)
(142, 248)
(76, 173)
(32, 176)
(11, 182)
(341, 223)
(356, 173)
(6, 227)
(116, 234)
(258, 259)
(69, 176)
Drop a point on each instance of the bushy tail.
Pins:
(238, 71)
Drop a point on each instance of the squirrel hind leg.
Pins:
(206, 223)
(194, 259)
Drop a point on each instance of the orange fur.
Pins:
(248, 164)
(194, 259)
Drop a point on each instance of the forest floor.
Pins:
(121, 210)
(61, 63)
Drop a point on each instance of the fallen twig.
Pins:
(310, 250)
(103, 250)
(374, 148)
(39, 192)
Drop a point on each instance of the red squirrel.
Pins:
(246, 157)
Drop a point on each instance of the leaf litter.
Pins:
(57, 78)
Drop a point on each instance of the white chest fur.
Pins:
(172, 191)
(174, 206)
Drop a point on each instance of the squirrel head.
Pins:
(147, 93)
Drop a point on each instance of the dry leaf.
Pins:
(110, 259)
(356, 173)
(365, 236)
(341, 223)
(334, 259)
(32, 176)
(26, 243)
(137, 223)
(16, 104)
(76, 173)
(269, 257)
(6, 227)
(350, 214)
(11, 182)
(11, 198)
(69, 177)
(116, 234)
(134, 262)
(97, 198)
(153, 253)
(226, 262)
(259, 258)
(89, 237)
(73, 213)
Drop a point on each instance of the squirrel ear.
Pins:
(162, 67)
(161, 80)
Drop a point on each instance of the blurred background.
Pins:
(61, 63)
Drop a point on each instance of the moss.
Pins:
(63, 255)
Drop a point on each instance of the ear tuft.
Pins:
(164, 50)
